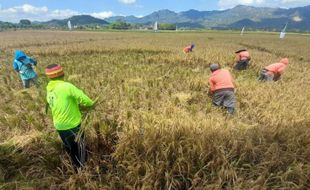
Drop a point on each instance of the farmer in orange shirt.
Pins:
(274, 71)
(189, 48)
(222, 88)
(243, 59)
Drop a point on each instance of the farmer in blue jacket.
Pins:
(25, 66)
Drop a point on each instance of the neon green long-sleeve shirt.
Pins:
(64, 100)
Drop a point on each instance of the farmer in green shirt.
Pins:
(64, 100)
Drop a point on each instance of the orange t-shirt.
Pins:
(187, 49)
(221, 79)
(276, 68)
(244, 55)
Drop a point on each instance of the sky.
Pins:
(43, 10)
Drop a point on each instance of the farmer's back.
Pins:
(64, 99)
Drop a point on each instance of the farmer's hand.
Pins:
(210, 94)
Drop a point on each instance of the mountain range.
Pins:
(239, 16)
(261, 18)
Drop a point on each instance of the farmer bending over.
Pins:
(243, 60)
(273, 71)
(189, 48)
(222, 88)
(64, 99)
(25, 66)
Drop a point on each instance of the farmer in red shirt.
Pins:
(222, 88)
(188, 49)
(274, 71)
(243, 59)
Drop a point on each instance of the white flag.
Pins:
(156, 26)
(69, 25)
(242, 31)
(282, 33)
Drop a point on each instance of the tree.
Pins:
(25, 22)
(167, 26)
(120, 26)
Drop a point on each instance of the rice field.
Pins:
(154, 126)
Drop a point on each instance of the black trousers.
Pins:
(225, 98)
(242, 65)
(75, 148)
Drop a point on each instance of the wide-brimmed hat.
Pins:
(241, 50)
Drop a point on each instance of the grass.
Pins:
(155, 127)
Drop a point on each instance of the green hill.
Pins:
(77, 20)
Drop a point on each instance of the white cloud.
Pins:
(26, 11)
(224, 4)
(296, 1)
(103, 15)
(297, 19)
(128, 2)
(26, 8)
(58, 14)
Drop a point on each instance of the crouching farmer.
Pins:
(188, 49)
(274, 71)
(24, 65)
(64, 99)
(222, 88)
(243, 60)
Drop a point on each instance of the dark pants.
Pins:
(242, 65)
(26, 83)
(76, 149)
(265, 76)
(225, 98)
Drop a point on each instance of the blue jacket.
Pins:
(24, 65)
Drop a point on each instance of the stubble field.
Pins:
(154, 126)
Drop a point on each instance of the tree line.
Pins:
(118, 25)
